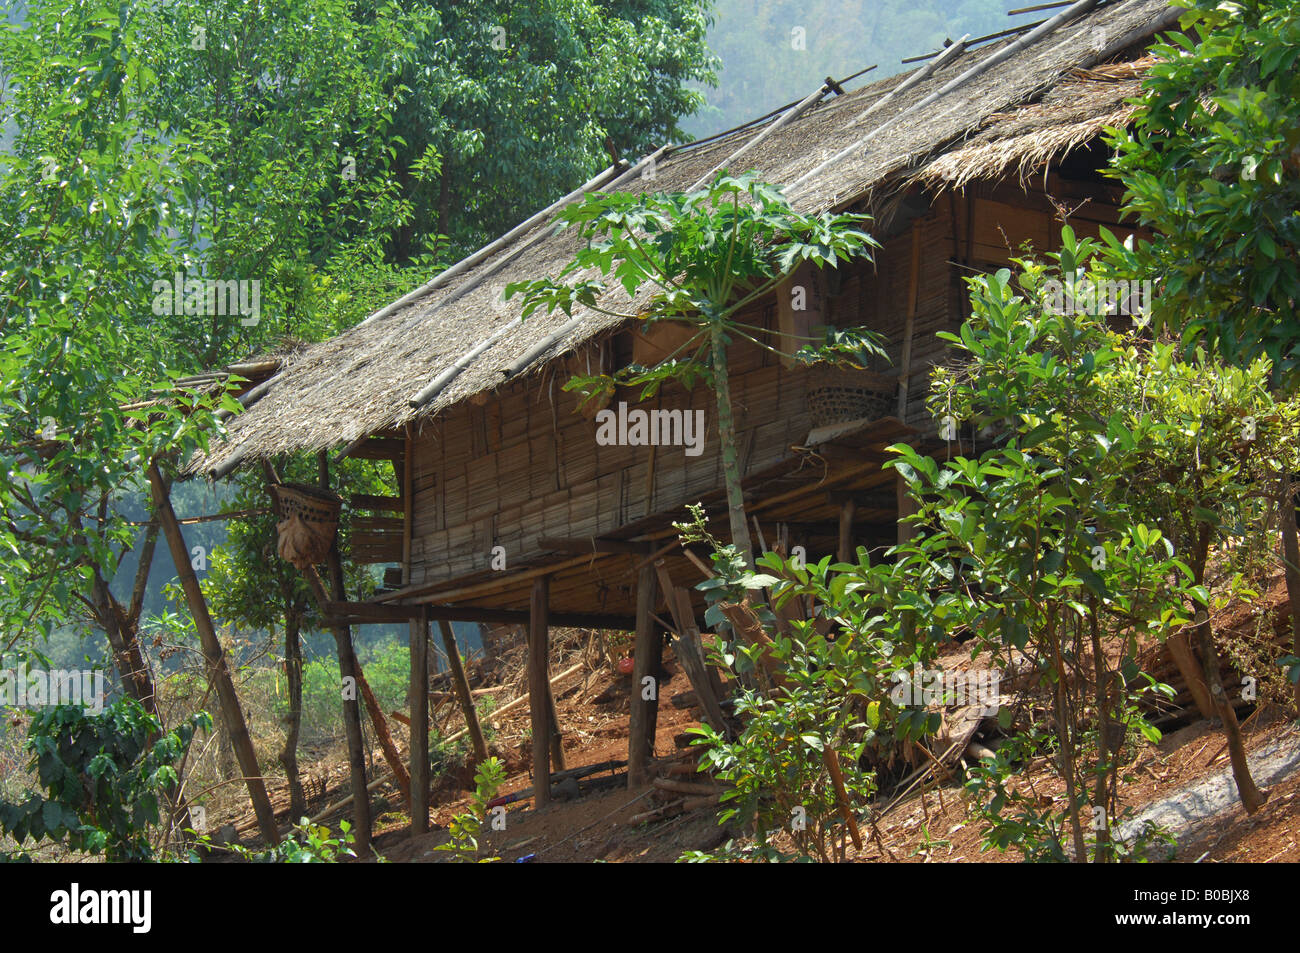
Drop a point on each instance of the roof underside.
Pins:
(1023, 111)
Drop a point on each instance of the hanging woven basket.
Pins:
(839, 395)
(307, 522)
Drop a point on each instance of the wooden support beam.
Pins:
(645, 663)
(690, 651)
(347, 657)
(386, 744)
(861, 499)
(592, 544)
(408, 502)
(432, 592)
(346, 613)
(461, 686)
(351, 719)
(214, 658)
(386, 504)
(863, 526)
(371, 613)
(419, 698)
(687, 646)
(373, 448)
(538, 689)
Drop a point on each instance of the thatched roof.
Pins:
(1039, 99)
(1026, 139)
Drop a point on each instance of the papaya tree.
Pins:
(699, 259)
(1211, 163)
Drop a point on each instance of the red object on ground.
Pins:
(625, 666)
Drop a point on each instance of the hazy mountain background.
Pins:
(764, 68)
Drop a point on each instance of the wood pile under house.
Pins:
(959, 162)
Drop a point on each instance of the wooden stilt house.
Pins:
(508, 508)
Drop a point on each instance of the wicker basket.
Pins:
(837, 396)
(308, 520)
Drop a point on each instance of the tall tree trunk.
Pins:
(107, 613)
(727, 437)
(293, 719)
(132, 673)
(1252, 799)
(1101, 700)
(122, 627)
(1065, 741)
(1291, 564)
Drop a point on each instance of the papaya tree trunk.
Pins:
(727, 441)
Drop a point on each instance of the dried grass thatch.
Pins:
(363, 381)
(1026, 139)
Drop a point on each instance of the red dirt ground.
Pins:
(934, 826)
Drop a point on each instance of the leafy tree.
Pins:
(1215, 435)
(294, 103)
(1210, 163)
(699, 259)
(87, 192)
(524, 100)
(103, 776)
(1047, 553)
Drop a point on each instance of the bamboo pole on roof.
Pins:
(490, 249)
(440, 382)
(788, 117)
(1001, 56)
(917, 77)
